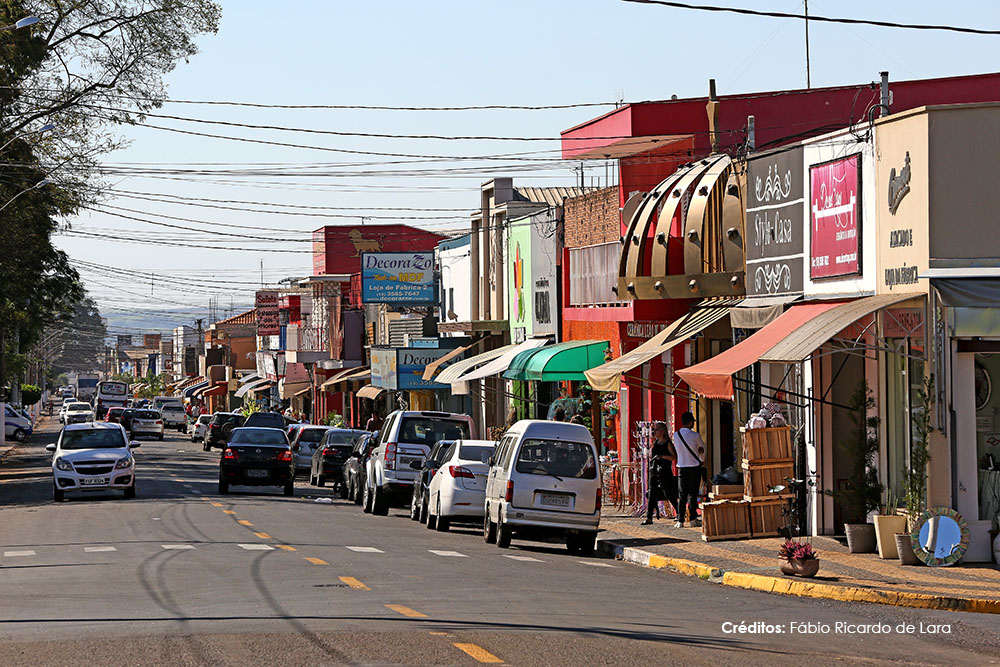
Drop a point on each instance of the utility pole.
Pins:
(808, 80)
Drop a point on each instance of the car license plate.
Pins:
(256, 473)
(407, 460)
(93, 481)
(554, 500)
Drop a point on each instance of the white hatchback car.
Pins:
(92, 457)
(544, 476)
(458, 488)
(145, 421)
(200, 428)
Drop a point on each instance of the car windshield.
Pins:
(93, 438)
(481, 453)
(556, 457)
(258, 437)
(341, 438)
(76, 407)
(428, 430)
(311, 434)
(147, 414)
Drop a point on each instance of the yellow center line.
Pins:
(354, 583)
(478, 652)
(317, 561)
(263, 536)
(229, 511)
(216, 504)
(243, 522)
(285, 547)
(207, 498)
(405, 611)
(179, 480)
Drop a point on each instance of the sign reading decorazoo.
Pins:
(774, 252)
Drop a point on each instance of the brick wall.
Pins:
(592, 218)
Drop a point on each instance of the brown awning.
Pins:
(370, 391)
(431, 369)
(344, 376)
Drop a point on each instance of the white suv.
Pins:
(406, 438)
(174, 417)
(92, 457)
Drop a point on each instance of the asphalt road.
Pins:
(183, 576)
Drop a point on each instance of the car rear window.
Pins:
(258, 437)
(481, 453)
(147, 414)
(93, 438)
(428, 430)
(171, 408)
(73, 407)
(226, 419)
(204, 419)
(311, 435)
(266, 419)
(557, 457)
(341, 437)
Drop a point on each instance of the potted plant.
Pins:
(798, 559)
(915, 474)
(863, 492)
(888, 524)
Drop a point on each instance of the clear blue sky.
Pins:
(400, 53)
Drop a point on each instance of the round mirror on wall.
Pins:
(940, 537)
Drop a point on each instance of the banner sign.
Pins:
(402, 368)
(268, 323)
(397, 277)
(383, 367)
(774, 228)
(835, 218)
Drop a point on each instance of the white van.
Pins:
(544, 476)
(16, 425)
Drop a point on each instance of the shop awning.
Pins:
(252, 386)
(252, 377)
(262, 386)
(202, 382)
(219, 389)
(607, 377)
(370, 391)
(555, 363)
(713, 378)
(450, 374)
(302, 392)
(431, 369)
(346, 375)
(802, 342)
(502, 362)
(289, 389)
(758, 311)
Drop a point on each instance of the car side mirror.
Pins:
(134, 444)
(50, 447)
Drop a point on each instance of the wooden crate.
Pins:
(760, 478)
(765, 517)
(726, 492)
(767, 444)
(725, 520)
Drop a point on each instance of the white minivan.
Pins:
(545, 477)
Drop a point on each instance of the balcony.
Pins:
(306, 344)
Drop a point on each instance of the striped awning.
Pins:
(370, 391)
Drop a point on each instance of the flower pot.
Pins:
(905, 548)
(886, 527)
(799, 567)
(860, 537)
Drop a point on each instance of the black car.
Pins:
(425, 471)
(330, 455)
(257, 457)
(353, 471)
(266, 420)
(126, 419)
(220, 428)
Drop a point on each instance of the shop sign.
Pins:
(774, 229)
(397, 277)
(903, 323)
(411, 363)
(383, 367)
(266, 303)
(835, 218)
(643, 330)
(899, 184)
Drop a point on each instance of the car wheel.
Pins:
(130, 492)
(343, 490)
(355, 492)
(160, 438)
(20, 434)
(489, 529)
(443, 522)
(223, 487)
(320, 480)
(415, 508)
(424, 512)
(206, 447)
(503, 534)
(366, 500)
(58, 494)
(290, 488)
(431, 520)
(587, 542)
(380, 502)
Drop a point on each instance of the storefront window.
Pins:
(904, 379)
(987, 373)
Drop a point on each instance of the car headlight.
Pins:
(126, 462)
(64, 465)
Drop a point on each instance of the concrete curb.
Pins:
(800, 588)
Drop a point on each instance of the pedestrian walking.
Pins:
(374, 422)
(662, 482)
(690, 451)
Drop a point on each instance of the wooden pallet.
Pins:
(759, 479)
(766, 518)
(725, 520)
(767, 444)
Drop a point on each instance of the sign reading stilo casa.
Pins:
(397, 277)
(268, 323)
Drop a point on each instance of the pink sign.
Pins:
(835, 217)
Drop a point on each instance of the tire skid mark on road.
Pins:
(477, 652)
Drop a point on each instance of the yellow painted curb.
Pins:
(688, 567)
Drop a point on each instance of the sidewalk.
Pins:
(842, 576)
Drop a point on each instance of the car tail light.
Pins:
(213, 426)
(159, 422)
(510, 491)
(285, 455)
(229, 454)
(599, 497)
(390, 456)
(459, 471)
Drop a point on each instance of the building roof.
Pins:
(552, 196)
(249, 317)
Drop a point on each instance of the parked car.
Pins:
(64, 405)
(330, 455)
(16, 425)
(406, 437)
(257, 457)
(147, 421)
(292, 429)
(174, 416)
(114, 415)
(200, 428)
(92, 457)
(353, 474)
(544, 476)
(418, 506)
(77, 413)
(266, 420)
(220, 428)
(304, 440)
(126, 419)
(457, 492)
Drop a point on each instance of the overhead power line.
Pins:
(813, 17)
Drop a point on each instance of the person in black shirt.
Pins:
(662, 481)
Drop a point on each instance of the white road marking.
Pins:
(177, 546)
(452, 554)
(527, 559)
(98, 549)
(18, 554)
(256, 547)
(366, 550)
(587, 562)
